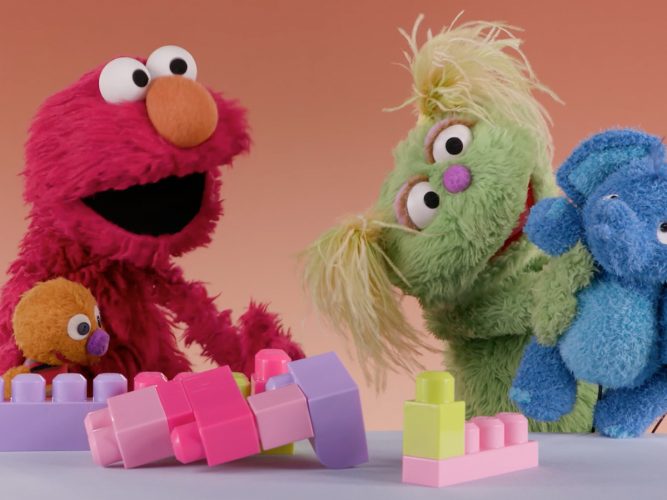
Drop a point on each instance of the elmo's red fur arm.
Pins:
(221, 340)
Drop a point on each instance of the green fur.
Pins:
(483, 306)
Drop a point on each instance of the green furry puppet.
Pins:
(447, 228)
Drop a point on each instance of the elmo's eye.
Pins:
(448, 142)
(422, 204)
(98, 317)
(662, 233)
(124, 80)
(172, 60)
(78, 327)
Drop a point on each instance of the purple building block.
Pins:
(335, 409)
(30, 422)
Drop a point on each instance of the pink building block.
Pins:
(33, 422)
(268, 363)
(133, 428)
(282, 416)
(494, 445)
(224, 427)
(136, 427)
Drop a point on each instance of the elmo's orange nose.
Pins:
(181, 110)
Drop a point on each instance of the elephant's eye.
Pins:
(662, 233)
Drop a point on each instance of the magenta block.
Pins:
(335, 410)
(494, 445)
(268, 363)
(31, 422)
(282, 416)
(224, 427)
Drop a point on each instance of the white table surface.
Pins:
(571, 467)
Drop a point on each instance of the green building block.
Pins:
(243, 383)
(434, 424)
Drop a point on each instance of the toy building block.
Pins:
(335, 409)
(31, 422)
(433, 422)
(282, 416)
(268, 364)
(494, 445)
(136, 427)
(223, 428)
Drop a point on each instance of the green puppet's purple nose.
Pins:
(456, 178)
(98, 343)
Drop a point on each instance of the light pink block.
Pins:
(494, 445)
(437, 473)
(491, 432)
(471, 438)
(268, 363)
(516, 428)
(133, 428)
(282, 416)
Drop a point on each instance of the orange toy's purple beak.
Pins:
(98, 343)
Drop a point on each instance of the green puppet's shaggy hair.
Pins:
(346, 273)
(475, 69)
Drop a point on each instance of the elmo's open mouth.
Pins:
(162, 207)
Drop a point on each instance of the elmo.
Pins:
(122, 174)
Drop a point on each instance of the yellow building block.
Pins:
(286, 449)
(243, 383)
(433, 423)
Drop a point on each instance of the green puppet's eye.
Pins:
(416, 203)
(447, 140)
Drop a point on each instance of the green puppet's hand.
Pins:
(555, 293)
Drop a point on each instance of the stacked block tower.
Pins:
(441, 449)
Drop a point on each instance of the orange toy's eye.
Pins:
(98, 316)
(78, 327)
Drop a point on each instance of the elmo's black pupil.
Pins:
(140, 78)
(83, 328)
(431, 200)
(178, 66)
(454, 145)
(663, 227)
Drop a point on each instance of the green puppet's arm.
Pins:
(555, 293)
(502, 307)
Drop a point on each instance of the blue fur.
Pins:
(663, 326)
(546, 386)
(613, 346)
(628, 412)
(554, 225)
(617, 181)
(595, 159)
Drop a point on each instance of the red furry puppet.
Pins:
(123, 173)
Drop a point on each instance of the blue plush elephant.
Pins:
(616, 183)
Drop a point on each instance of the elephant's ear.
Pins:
(602, 155)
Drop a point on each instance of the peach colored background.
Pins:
(315, 77)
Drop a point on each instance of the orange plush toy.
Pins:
(56, 324)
